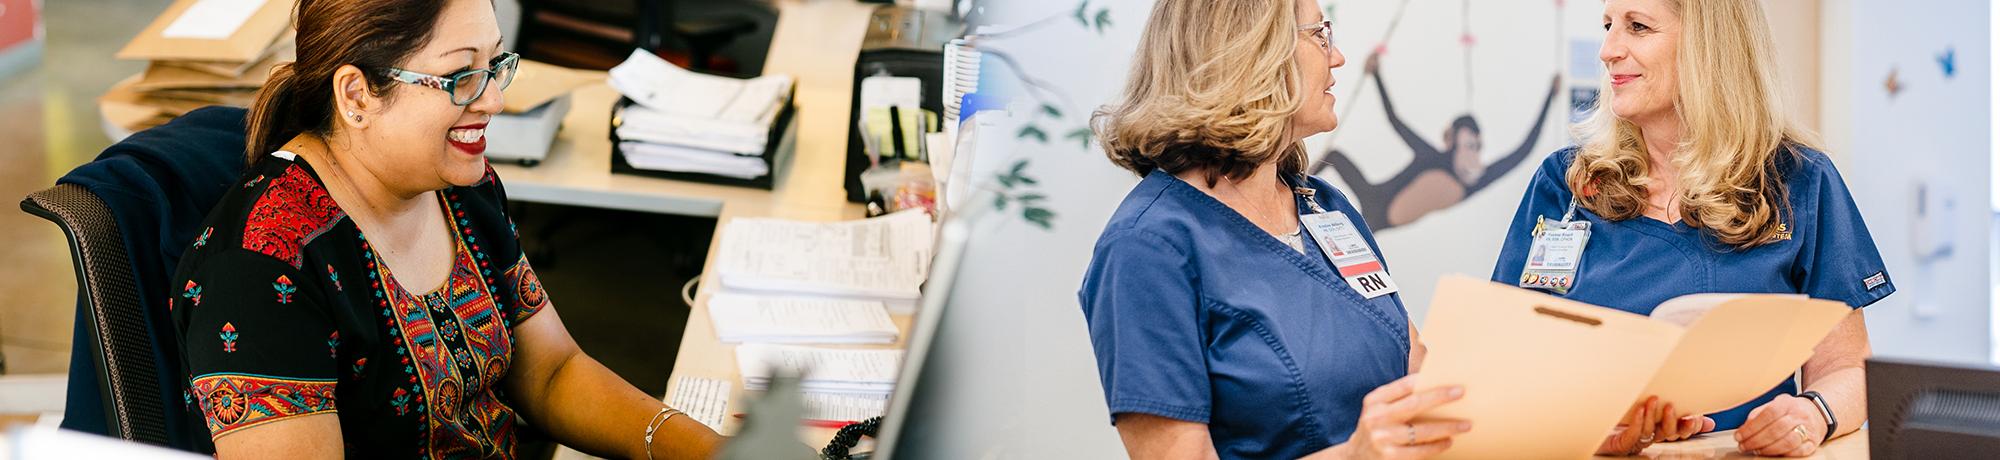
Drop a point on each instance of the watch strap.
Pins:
(1825, 410)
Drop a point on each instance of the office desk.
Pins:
(816, 42)
(1722, 444)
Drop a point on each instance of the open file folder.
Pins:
(1547, 377)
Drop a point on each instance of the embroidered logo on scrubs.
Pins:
(1784, 233)
(1876, 280)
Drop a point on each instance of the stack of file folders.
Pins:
(200, 53)
(676, 123)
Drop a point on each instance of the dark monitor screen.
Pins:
(1929, 410)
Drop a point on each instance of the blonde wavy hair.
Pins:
(1734, 127)
(1213, 86)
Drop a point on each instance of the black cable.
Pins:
(848, 436)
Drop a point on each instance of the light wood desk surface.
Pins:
(816, 42)
(1722, 445)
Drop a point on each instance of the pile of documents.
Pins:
(689, 122)
(844, 407)
(884, 258)
(860, 372)
(200, 53)
(702, 399)
(785, 283)
(740, 318)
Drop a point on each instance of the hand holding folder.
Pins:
(1547, 377)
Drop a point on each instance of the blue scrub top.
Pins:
(1196, 314)
(1635, 264)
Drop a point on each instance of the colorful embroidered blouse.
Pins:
(283, 312)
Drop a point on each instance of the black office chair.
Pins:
(128, 215)
(108, 295)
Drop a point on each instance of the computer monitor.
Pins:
(959, 393)
(1929, 410)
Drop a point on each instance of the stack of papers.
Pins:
(689, 122)
(844, 408)
(740, 318)
(704, 400)
(884, 258)
(789, 282)
(821, 370)
(201, 53)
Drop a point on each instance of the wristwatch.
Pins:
(1820, 401)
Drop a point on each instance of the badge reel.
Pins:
(1556, 253)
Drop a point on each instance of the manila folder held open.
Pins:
(1738, 346)
(1547, 377)
(1544, 377)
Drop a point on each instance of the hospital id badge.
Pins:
(1555, 255)
(1342, 242)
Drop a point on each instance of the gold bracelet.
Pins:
(653, 425)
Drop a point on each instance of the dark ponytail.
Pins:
(369, 34)
(280, 113)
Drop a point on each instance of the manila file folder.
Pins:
(1547, 377)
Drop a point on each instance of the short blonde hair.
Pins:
(1734, 126)
(1213, 86)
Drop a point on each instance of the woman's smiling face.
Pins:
(1641, 54)
(421, 140)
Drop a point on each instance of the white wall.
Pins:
(1024, 270)
(1795, 29)
(1013, 266)
(1936, 132)
(1517, 47)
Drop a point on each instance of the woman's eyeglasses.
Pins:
(466, 86)
(1322, 34)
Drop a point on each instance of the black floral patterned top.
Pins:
(283, 312)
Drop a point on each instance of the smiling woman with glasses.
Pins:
(1237, 307)
(361, 292)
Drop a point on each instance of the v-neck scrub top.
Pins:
(1825, 252)
(1197, 314)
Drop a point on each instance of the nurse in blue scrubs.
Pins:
(1682, 186)
(1238, 308)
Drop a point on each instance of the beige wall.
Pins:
(1795, 27)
